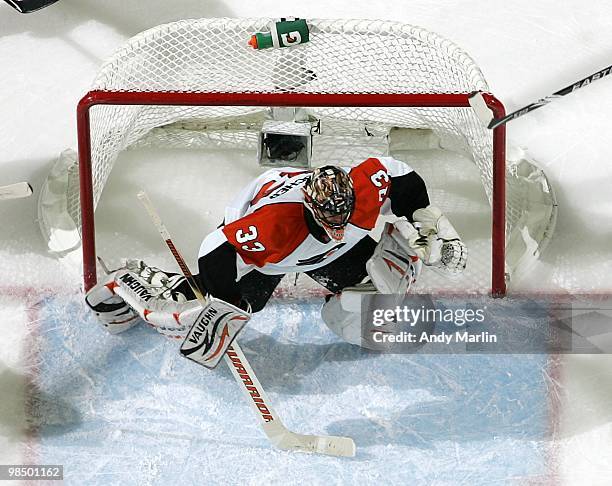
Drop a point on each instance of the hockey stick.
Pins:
(272, 425)
(27, 6)
(486, 115)
(14, 191)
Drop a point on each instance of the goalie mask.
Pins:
(329, 196)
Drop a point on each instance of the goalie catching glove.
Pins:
(436, 241)
(166, 303)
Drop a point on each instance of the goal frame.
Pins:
(288, 99)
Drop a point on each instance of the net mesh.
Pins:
(343, 56)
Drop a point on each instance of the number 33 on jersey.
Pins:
(242, 237)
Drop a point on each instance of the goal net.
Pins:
(363, 88)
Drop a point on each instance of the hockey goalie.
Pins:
(315, 222)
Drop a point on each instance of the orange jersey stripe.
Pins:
(269, 234)
(372, 183)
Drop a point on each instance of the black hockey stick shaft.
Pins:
(27, 6)
(558, 94)
(161, 228)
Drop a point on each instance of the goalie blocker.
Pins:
(213, 332)
(163, 301)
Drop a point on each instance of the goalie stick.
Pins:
(486, 115)
(27, 6)
(242, 372)
(14, 191)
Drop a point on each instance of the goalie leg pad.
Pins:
(166, 315)
(111, 310)
(344, 324)
(214, 330)
(395, 265)
(342, 313)
(138, 290)
(152, 295)
(167, 286)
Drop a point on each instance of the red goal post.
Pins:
(288, 99)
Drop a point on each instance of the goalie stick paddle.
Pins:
(486, 115)
(244, 375)
(14, 191)
(27, 6)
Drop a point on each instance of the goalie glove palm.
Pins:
(438, 241)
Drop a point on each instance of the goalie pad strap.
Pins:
(168, 317)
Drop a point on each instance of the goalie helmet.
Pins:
(330, 197)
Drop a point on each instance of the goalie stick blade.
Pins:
(271, 423)
(28, 6)
(329, 445)
(14, 191)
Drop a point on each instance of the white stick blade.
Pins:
(329, 445)
(13, 191)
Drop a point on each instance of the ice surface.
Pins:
(112, 408)
(128, 408)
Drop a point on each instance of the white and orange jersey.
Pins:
(266, 224)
